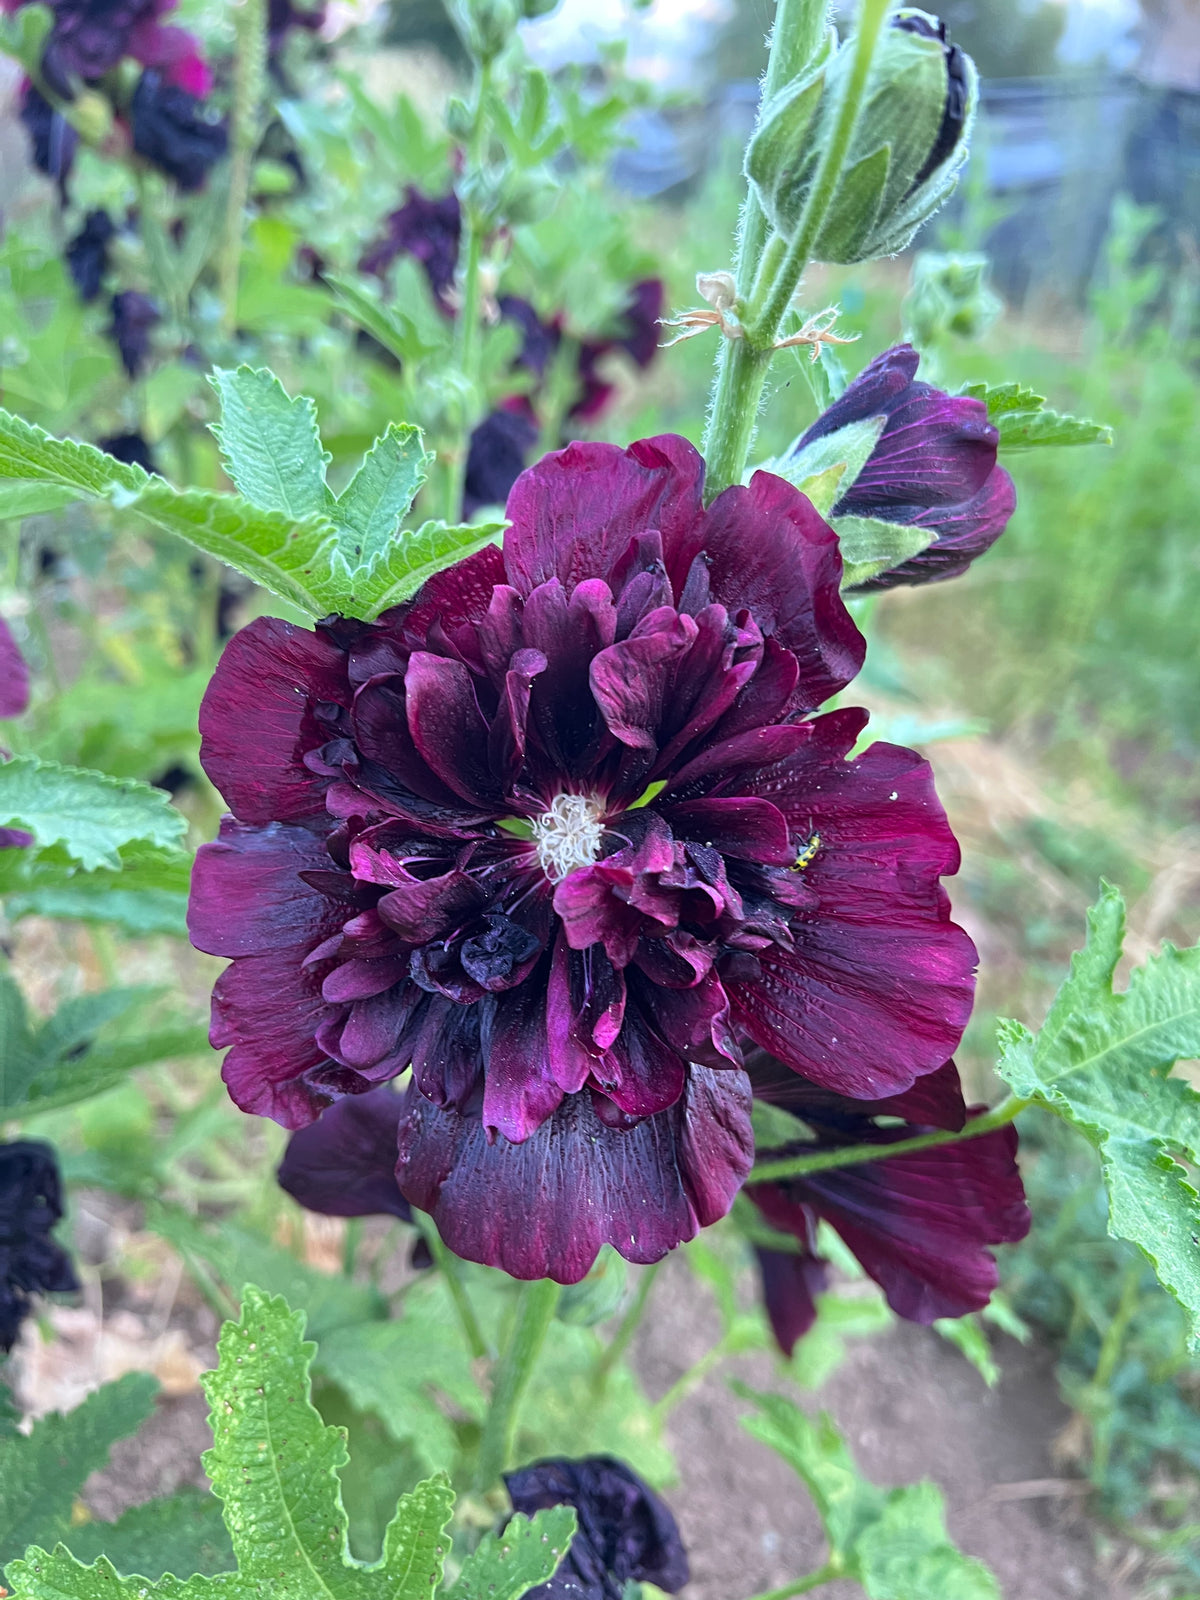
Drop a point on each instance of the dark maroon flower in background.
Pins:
(558, 833)
(87, 254)
(132, 449)
(496, 455)
(934, 467)
(283, 16)
(920, 1224)
(344, 1165)
(14, 675)
(30, 1260)
(625, 1533)
(88, 38)
(639, 341)
(427, 229)
(52, 140)
(134, 318)
(173, 130)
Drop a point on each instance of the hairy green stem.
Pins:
(831, 1570)
(469, 330)
(628, 1326)
(450, 1267)
(691, 1379)
(535, 1312)
(249, 76)
(853, 1155)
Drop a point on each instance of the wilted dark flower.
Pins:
(639, 341)
(496, 456)
(132, 449)
(920, 1223)
(30, 1261)
(557, 833)
(934, 467)
(14, 675)
(625, 1533)
(172, 129)
(344, 1164)
(134, 316)
(428, 230)
(87, 253)
(52, 139)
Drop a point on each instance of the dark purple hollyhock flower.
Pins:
(496, 456)
(344, 1164)
(920, 1224)
(88, 38)
(625, 1533)
(14, 675)
(52, 139)
(134, 317)
(132, 449)
(557, 833)
(30, 1261)
(87, 254)
(934, 467)
(173, 131)
(539, 340)
(639, 342)
(427, 229)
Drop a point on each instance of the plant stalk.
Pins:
(814, 1580)
(628, 1326)
(853, 1155)
(535, 1312)
(448, 1265)
(249, 76)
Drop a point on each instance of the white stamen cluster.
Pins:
(568, 835)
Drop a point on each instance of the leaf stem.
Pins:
(535, 1312)
(249, 70)
(694, 1376)
(853, 1155)
(628, 1326)
(449, 1265)
(826, 1574)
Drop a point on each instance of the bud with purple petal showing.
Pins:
(625, 1533)
(30, 1260)
(14, 675)
(920, 1224)
(910, 142)
(933, 466)
(52, 140)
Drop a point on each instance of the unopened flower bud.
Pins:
(910, 142)
(949, 295)
(488, 25)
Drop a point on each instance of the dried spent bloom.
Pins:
(559, 833)
(934, 467)
(173, 130)
(428, 229)
(134, 318)
(14, 675)
(920, 1224)
(344, 1164)
(30, 1261)
(625, 1533)
(87, 254)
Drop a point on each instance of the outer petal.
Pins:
(344, 1165)
(935, 1100)
(879, 987)
(247, 895)
(575, 512)
(543, 1208)
(962, 533)
(14, 675)
(770, 551)
(790, 1285)
(257, 720)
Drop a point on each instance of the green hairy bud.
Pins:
(949, 295)
(910, 142)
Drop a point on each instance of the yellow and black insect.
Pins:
(806, 855)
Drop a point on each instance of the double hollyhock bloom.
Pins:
(564, 834)
(934, 467)
(30, 1260)
(625, 1534)
(920, 1223)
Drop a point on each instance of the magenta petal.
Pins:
(771, 552)
(268, 1009)
(935, 1100)
(790, 1285)
(447, 726)
(457, 595)
(257, 720)
(247, 896)
(544, 1207)
(631, 681)
(14, 675)
(519, 1091)
(576, 511)
(425, 908)
(750, 829)
(344, 1164)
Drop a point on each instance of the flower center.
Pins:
(568, 835)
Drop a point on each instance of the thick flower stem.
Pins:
(826, 1574)
(249, 74)
(619, 1343)
(742, 364)
(449, 1265)
(853, 1155)
(535, 1312)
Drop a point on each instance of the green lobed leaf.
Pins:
(507, 1565)
(370, 507)
(40, 1474)
(416, 1541)
(269, 443)
(89, 814)
(906, 1554)
(399, 571)
(871, 546)
(1103, 1061)
(1026, 422)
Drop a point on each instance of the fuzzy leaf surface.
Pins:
(182, 1533)
(90, 814)
(269, 443)
(871, 546)
(506, 1565)
(1102, 1060)
(1026, 422)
